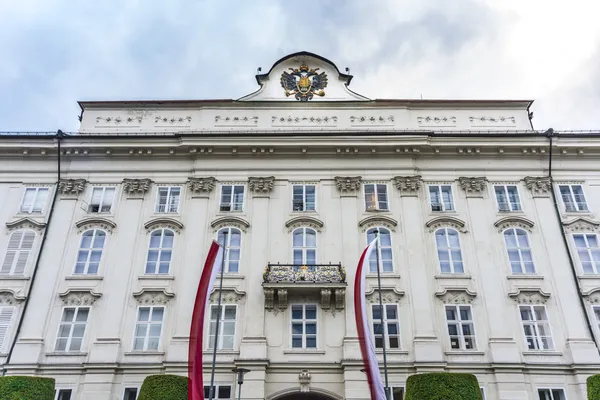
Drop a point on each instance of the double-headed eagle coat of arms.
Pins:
(304, 83)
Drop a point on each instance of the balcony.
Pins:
(327, 281)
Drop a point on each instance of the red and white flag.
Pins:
(367, 346)
(205, 287)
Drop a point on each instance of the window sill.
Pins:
(392, 351)
(453, 276)
(303, 351)
(551, 353)
(156, 277)
(464, 353)
(373, 275)
(83, 277)
(567, 214)
(144, 353)
(66, 354)
(526, 276)
(103, 215)
(14, 278)
(368, 212)
(226, 352)
(511, 212)
(449, 212)
(226, 213)
(589, 276)
(230, 275)
(304, 212)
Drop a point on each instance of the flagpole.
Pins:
(216, 343)
(383, 327)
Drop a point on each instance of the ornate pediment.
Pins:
(261, 186)
(71, 188)
(136, 188)
(446, 221)
(79, 297)
(230, 295)
(581, 225)
(539, 186)
(378, 220)
(408, 185)
(473, 187)
(26, 223)
(153, 296)
(201, 187)
(348, 185)
(235, 222)
(389, 295)
(514, 222)
(163, 222)
(529, 296)
(592, 296)
(95, 223)
(9, 297)
(456, 295)
(304, 221)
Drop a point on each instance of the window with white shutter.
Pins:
(20, 245)
(34, 200)
(6, 316)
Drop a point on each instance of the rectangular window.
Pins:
(232, 198)
(461, 330)
(388, 328)
(573, 198)
(34, 200)
(376, 197)
(6, 317)
(20, 246)
(397, 393)
(226, 327)
(72, 329)
(551, 394)
(220, 392)
(148, 328)
(536, 327)
(441, 198)
(167, 200)
(304, 326)
(482, 393)
(507, 197)
(130, 394)
(588, 252)
(304, 198)
(102, 199)
(63, 394)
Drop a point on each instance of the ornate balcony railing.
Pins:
(304, 274)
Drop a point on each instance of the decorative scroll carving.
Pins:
(517, 222)
(136, 187)
(378, 220)
(304, 221)
(493, 121)
(153, 296)
(163, 222)
(581, 225)
(172, 121)
(474, 187)
(95, 223)
(79, 297)
(388, 295)
(10, 297)
(304, 378)
(129, 121)
(303, 121)
(325, 299)
(229, 296)
(261, 186)
(282, 298)
(367, 120)
(456, 295)
(25, 223)
(235, 222)
(451, 222)
(539, 186)
(269, 298)
(235, 121)
(201, 187)
(408, 185)
(71, 188)
(428, 121)
(348, 185)
(340, 298)
(303, 274)
(529, 296)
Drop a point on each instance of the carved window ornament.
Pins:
(136, 188)
(71, 188)
(304, 221)
(473, 187)
(95, 223)
(514, 222)
(25, 223)
(348, 185)
(446, 221)
(456, 295)
(261, 186)
(539, 186)
(389, 295)
(408, 185)
(230, 295)
(163, 222)
(529, 296)
(234, 222)
(153, 296)
(10, 297)
(592, 296)
(304, 377)
(581, 225)
(79, 297)
(374, 221)
(201, 187)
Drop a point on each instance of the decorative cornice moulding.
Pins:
(529, 296)
(408, 185)
(581, 225)
(230, 295)
(261, 186)
(95, 223)
(136, 188)
(201, 187)
(514, 222)
(378, 221)
(304, 221)
(26, 223)
(348, 186)
(473, 187)
(539, 186)
(79, 297)
(153, 296)
(235, 222)
(456, 295)
(592, 296)
(389, 295)
(163, 222)
(9, 297)
(71, 188)
(446, 221)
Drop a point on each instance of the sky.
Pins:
(54, 53)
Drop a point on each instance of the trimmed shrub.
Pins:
(593, 387)
(164, 387)
(442, 386)
(26, 388)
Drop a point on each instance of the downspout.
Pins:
(59, 136)
(550, 135)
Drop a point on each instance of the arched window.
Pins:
(19, 247)
(231, 240)
(90, 252)
(160, 251)
(386, 259)
(448, 249)
(519, 251)
(304, 246)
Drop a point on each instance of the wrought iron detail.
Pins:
(297, 273)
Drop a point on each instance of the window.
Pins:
(63, 394)
(482, 393)
(19, 247)
(130, 394)
(441, 198)
(304, 326)
(72, 328)
(34, 200)
(226, 328)
(232, 197)
(102, 199)
(6, 317)
(160, 251)
(148, 328)
(536, 327)
(519, 252)
(220, 392)
(90, 252)
(303, 198)
(551, 394)
(386, 259)
(231, 240)
(397, 393)
(168, 199)
(507, 197)
(573, 198)
(448, 249)
(388, 328)
(376, 197)
(588, 252)
(460, 327)
(304, 246)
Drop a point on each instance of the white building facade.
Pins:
(489, 255)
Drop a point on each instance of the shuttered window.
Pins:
(6, 316)
(20, 245)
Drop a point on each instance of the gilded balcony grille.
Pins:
(304, 274)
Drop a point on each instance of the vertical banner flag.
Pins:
(205, 287)
(367, 346)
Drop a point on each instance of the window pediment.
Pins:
(389, 295)
(304, 221)
(25, 223)
(593, 296)
(378, 220)
(456, 295)
(446, 221)
(95, 222)
(581, 225)
(79, 297)
(167, 223)
(529, 296)
(516, 222)
(10, 297)
(153, 296)
(231, 295)
(235, 222)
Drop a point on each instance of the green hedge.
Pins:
(442, 386)
(593, 387)
(26, 388)
(164, 387)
